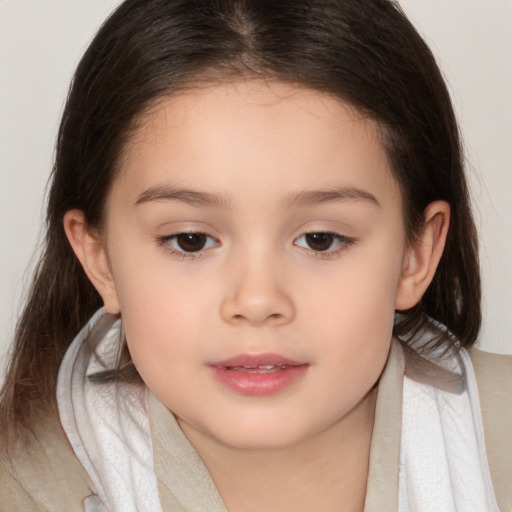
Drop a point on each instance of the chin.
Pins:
(260, 438)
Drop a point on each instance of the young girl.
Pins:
(260, 280)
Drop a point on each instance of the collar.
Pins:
(185, 485)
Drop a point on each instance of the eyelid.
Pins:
(165, 242)
(343, 242)
(340, 242)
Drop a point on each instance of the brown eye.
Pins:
(319, 241)
(188, 243)
(191, 242)
(323, 241)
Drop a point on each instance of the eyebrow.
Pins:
(304, 198)
(315, 197)
(191, 197)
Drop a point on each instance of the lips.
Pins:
(258, 374)
(265, 368)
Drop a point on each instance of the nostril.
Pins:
(256, 319)
(257, 308)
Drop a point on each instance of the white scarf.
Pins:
(443, 463)
(107, 422)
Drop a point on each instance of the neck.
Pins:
(327, 471)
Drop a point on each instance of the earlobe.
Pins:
(423, 255)
(90, 251)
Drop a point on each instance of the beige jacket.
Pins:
(42, 474)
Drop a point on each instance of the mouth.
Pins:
(258, 375)
(265, 368)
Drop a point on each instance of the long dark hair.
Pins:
(363, 51)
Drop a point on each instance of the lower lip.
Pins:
(259, 384)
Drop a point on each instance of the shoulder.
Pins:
(492, 366)
(39, 471)
(494, 378)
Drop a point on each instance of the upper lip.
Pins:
(256, 360)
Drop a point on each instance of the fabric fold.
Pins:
(427, 454)
(107, 423)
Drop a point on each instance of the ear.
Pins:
(89, 248)
(423, 255)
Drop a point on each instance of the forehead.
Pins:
(257, 133)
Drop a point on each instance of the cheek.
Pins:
(159, 312)
(170, 316)
(357, 296)
(353, 315)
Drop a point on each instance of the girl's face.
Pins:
(256, 250)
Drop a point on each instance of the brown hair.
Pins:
(363, 51)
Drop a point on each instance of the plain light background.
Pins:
(41, 42)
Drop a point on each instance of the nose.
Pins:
(257, 296)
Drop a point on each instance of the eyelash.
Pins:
(343, 241)
(166, 243)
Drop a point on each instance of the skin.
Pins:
(273, 163)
